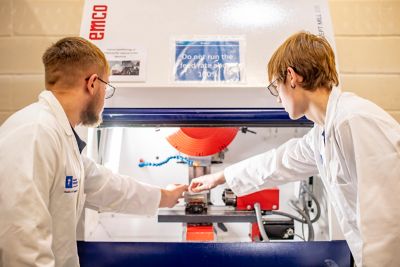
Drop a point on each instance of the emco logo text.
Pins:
(98, 22)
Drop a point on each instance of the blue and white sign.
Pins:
(208, 61)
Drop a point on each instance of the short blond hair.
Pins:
(69, 58)
(310, 56)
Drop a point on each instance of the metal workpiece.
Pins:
(196, 203)
(190, 197)
(215, 214)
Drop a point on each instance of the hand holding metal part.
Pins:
(207, 182)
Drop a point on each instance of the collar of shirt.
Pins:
(49, 98)
(79, 141)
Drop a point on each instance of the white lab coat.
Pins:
(39, 205)
(359, 165)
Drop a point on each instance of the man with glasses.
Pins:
(45, 180)
(354, 146)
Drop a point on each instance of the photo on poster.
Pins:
(125, 67)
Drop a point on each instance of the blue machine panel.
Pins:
(277, 254)
(200, 117)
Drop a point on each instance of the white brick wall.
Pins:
(367, 36)
(27, 28)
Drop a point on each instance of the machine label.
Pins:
(98, 22)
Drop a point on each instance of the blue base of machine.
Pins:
(277, 254)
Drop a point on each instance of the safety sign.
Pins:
(202, 60)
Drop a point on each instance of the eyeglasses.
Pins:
(273, 87)
(110, 89)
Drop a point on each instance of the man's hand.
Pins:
(207, 182)
(171, 194)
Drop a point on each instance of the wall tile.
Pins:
(47, 17)
(365, 17)
(5, 18)
(368, 54)
(5, 93)
(25, 90)
(381, 89)
(23, 54)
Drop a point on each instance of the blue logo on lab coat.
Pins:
(71, 184)
(68, 182)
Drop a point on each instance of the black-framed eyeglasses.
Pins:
(110, 89)
(273, 87)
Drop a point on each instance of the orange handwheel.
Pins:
(202, 141)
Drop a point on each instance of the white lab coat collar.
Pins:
(49, 98)
(331, 109)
